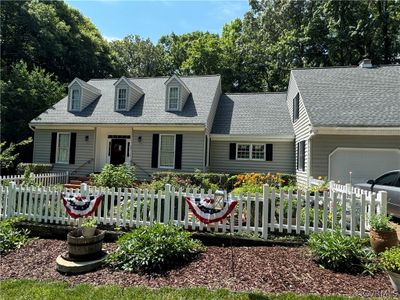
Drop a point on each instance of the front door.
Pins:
(118, 150)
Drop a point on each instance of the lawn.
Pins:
(29, 289)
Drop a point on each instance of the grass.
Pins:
(30, 289)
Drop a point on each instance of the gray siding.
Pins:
(132, 94)
(183, 94)
(192, 152)
(283, 159)
(301, 129)
(323, 145)
(84, 151)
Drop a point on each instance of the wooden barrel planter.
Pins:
(81, 248)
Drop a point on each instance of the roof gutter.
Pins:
(356, 130)
(251, 138)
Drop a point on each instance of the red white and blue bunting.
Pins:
(205, 209)
(79, 206)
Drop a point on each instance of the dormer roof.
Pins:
(129, 83)
(85, 85)
(176, 77)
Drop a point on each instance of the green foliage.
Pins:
(89, 222)
(10, 237)
(338, 252)
(390, 259)
(381, 223)
(154, 248)
(25, 94)
(8, 155)
(35, 168)
(114, 176)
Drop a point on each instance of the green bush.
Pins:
(34, 168)
(114, 176)
(154, 248)
(338, 252)
(381, 223)
(10, 237)
(390, 260)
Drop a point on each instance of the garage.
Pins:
(364, 163)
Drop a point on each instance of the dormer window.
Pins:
(122, 99)
(75, 99)
(173, 98)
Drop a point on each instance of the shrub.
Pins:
(10, 237)
(89, 222)
(114, 176)
(390, 260)
(338, 252)
(381, 223)
(154, 248)
(33, 168)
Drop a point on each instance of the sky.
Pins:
(151, 19)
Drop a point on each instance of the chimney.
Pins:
(365, 63)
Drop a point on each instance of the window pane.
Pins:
(257, 152)
(75, 99)
(387, 179)
(63, 148)
(167, 151)
(122, 98)
(243, 151)
(173, 98)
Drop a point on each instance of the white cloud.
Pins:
(111, 38)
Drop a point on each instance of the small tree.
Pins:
(115, 176)
(8, 154)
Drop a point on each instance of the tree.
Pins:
(54, 36)
(25, 95)
(8, 155)
(138, 57)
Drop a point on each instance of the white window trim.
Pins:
(179, 96)
(117, 101)
(70, 100)
(57, 148)
(250, 151)
(159, 152)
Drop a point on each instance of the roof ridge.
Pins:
(345, 67)
(157, 77)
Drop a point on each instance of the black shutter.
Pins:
(298, 156)
(206, 151)
(72, 148)
(268, 152)
(53, 147)
(154, 151)
(178, 151)
(303, 152)
(232, 151)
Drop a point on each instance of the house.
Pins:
(345, 119)
(330, 121)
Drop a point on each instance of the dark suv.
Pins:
(390, 183)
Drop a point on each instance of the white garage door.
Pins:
(364, 163)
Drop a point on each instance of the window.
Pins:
(122, 99)
(173, 98)
(301, 155)
(296, 107)
(387, 179)
(75, 100)
(250, 151)
(167, 151)
(63, 141)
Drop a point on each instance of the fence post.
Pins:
(265, 211)
(83, 189)
(167, 203)
(331, 189)
(348, 188)
(382, 197)
(12, 193)
(67, 177)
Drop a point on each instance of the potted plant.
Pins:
(88, 227)
(391, 263)
(382, 234)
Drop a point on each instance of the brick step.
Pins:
(72, 186)
(75, 181)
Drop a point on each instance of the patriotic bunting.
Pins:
(79, 206)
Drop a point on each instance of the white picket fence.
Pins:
(259, 213)
(340, 188)
(44, 179)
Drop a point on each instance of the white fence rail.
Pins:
(340, 188)
(271, 211)
(45, 179)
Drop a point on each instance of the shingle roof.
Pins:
(352, 96)
(150, 109)
(253, 114)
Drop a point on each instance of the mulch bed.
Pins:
(269, 269)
